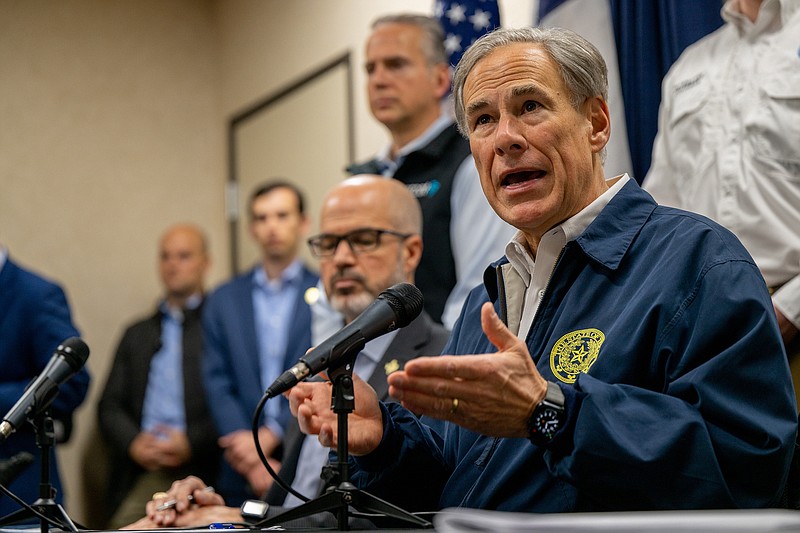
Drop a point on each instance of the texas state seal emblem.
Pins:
(575, 352)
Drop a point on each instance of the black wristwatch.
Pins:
(254, 511)
(547, 417)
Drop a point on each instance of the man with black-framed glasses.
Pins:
(370, 239)
(360, 240)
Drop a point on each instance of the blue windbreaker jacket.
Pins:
(659, 329)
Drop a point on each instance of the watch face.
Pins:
(547, 417)
(547, 422)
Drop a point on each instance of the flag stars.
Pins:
(463, 21)
(480, 20)
(452, 43)
(456, 14)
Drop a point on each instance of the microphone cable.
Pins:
(256, 418)
(285, 486)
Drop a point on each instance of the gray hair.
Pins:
(582, 66)
(432, 44)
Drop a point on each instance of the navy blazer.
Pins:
(34, 319)
(231, 368)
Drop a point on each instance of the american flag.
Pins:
(464, 21)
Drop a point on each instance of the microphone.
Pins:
(11, 468)
(68, 358)
(396, 307)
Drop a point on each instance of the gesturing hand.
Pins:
(310, 402)
(493, 394)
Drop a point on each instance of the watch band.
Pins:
(554, 395)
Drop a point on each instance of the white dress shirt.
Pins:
(728, 144)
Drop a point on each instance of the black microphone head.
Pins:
(75, 352)
(405, 300)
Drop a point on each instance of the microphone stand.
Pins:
(46, 506)
(339, 499)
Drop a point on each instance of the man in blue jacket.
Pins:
(254, 327)
(628, 354)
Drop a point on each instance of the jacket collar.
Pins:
(606, 240)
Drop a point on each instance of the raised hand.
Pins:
(493, 394)
(310, 402)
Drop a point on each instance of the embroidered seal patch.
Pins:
(575, 352)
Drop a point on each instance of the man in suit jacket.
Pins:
(153, 412)
(370, 240)
(34, 319)
(255, 326)
(380, 222)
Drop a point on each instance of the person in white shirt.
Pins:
(728, 143)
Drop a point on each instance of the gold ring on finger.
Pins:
(454, 407)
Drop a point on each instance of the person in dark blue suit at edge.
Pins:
(254, 327)
(34, 319)
(631, 358)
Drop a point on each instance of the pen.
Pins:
(169, 504)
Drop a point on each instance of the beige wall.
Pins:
(110, 130)
(113, 118)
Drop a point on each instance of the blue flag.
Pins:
(464, 21)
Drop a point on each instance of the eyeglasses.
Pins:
(360, 240)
